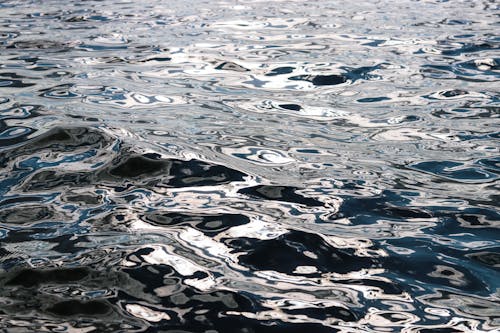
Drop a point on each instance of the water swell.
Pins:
(83, 197)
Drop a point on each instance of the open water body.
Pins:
(253, 166)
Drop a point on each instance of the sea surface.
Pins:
(249, 166)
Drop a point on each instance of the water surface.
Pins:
(256, 166)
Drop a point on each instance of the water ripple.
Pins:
(249, 167)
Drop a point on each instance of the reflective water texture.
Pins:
(253, 166)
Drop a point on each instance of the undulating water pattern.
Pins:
(249, 166)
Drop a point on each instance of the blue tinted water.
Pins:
(256, 166)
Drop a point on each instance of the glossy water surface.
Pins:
(249, 166)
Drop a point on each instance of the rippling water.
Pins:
(253, 166)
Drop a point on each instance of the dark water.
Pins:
(256, 166)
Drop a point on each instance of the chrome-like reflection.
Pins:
(277, 166)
